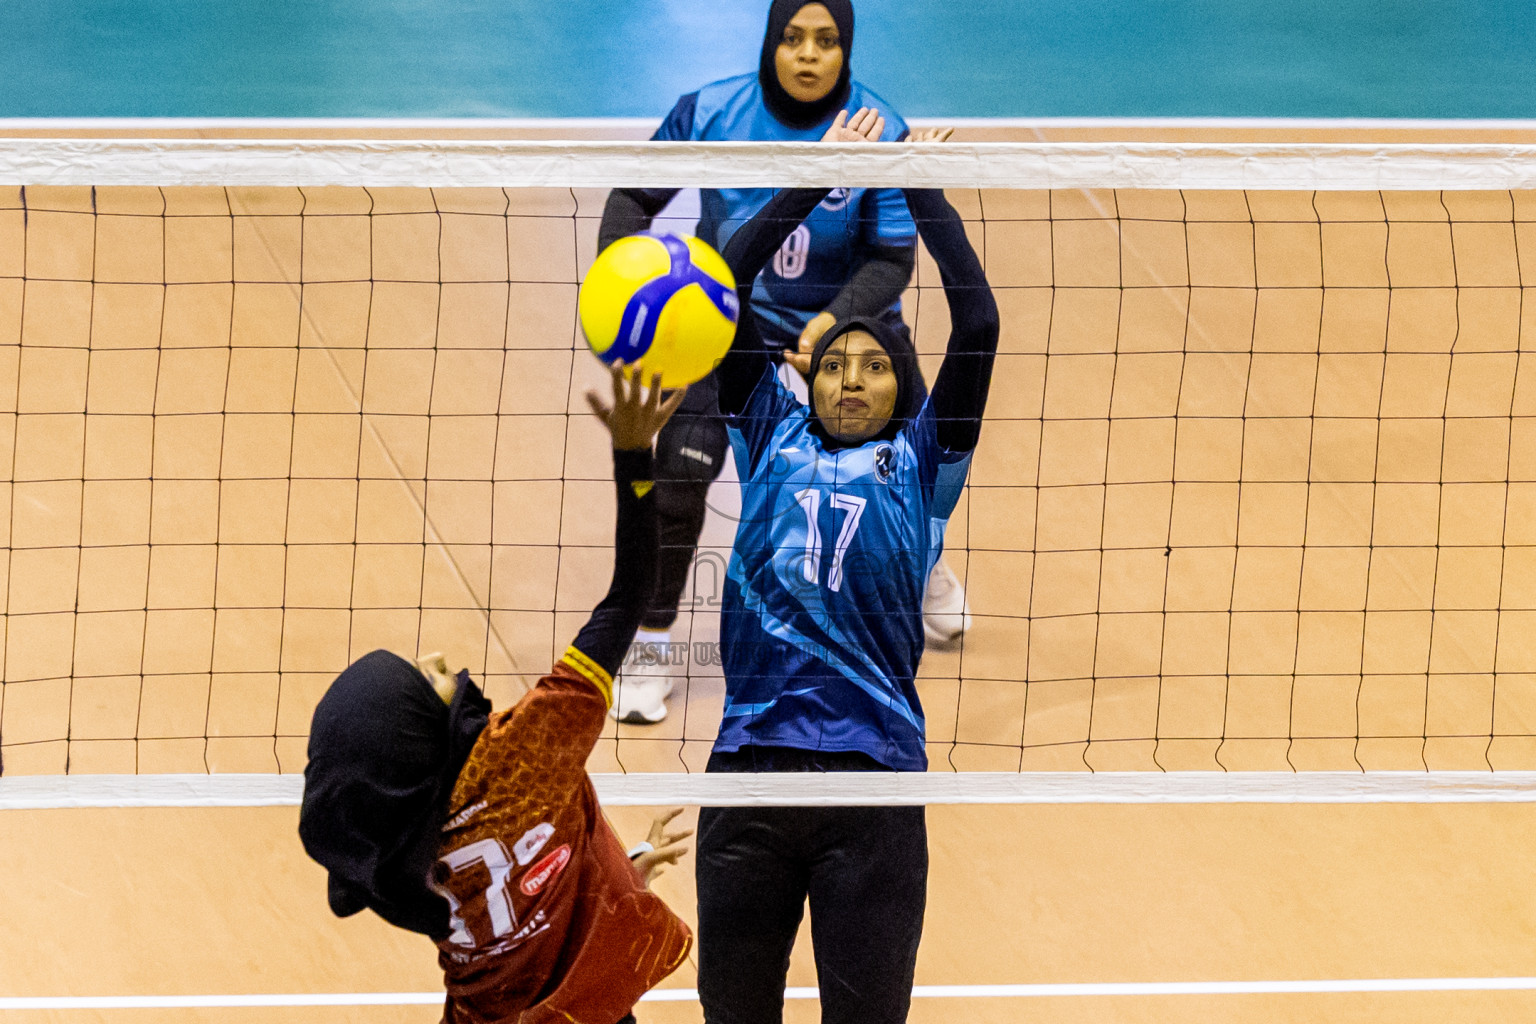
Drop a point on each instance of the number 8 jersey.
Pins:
(835, 240)
(821, 622)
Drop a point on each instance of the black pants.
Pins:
(865, 872)
(690, 451)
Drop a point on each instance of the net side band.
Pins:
(519, 164)
(837, 789)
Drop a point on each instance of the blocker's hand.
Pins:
(931, 135)
(635, 416)
(800, 359)
(866, 125)
(666, 847)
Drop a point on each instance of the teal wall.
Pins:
(589, 58)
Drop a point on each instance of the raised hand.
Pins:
(800, 358)
(931, 135)
(635, 416)
(665, 846)
(864, 126)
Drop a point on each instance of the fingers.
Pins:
(653, 400)
(873, 125)
(932, 135)
(659, 825)
(616, 375)
(668, 855)
(835, 132)
(636, 389)
(668, 407)
(866, 119)
(599, 410)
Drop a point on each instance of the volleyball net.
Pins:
(1256, 490)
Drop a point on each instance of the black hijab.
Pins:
(780, 103)
(911, 392)
(384, 752)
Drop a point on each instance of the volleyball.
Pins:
(665, 304)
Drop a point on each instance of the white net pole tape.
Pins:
(1034, 165)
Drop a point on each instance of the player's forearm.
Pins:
(877, 284)
(960, 391)
(747, 253)
(755, 242)
(630, 211)
(607, 635)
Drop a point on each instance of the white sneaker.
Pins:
(641, 688)
(946, 613)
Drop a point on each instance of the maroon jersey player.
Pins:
(482, 830)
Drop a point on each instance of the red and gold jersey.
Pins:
(550, 921)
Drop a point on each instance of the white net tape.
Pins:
(522, 164)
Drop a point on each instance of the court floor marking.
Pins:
(688, 995)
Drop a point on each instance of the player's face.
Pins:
(810, 56)
(854, 392)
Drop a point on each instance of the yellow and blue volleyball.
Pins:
(660, 303)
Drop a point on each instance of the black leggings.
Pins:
(690, 451)
(865, 871)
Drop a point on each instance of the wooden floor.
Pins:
(223, 901)
(1237, 505)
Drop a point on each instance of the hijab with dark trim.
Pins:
(780, 103)
(384, 753)
(911, 392)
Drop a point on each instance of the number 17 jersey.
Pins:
(821, 619)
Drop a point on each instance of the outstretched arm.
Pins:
(960, 392)
(749, 251)
(630, 211)
(633, 419)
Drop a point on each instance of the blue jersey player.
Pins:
(844, 505)
(851, 256)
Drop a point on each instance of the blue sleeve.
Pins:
(768, 405)
(678, 124)
(942, 472)
(886, 218)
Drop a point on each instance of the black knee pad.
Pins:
(691, 449)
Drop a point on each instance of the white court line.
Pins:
(688, 995)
